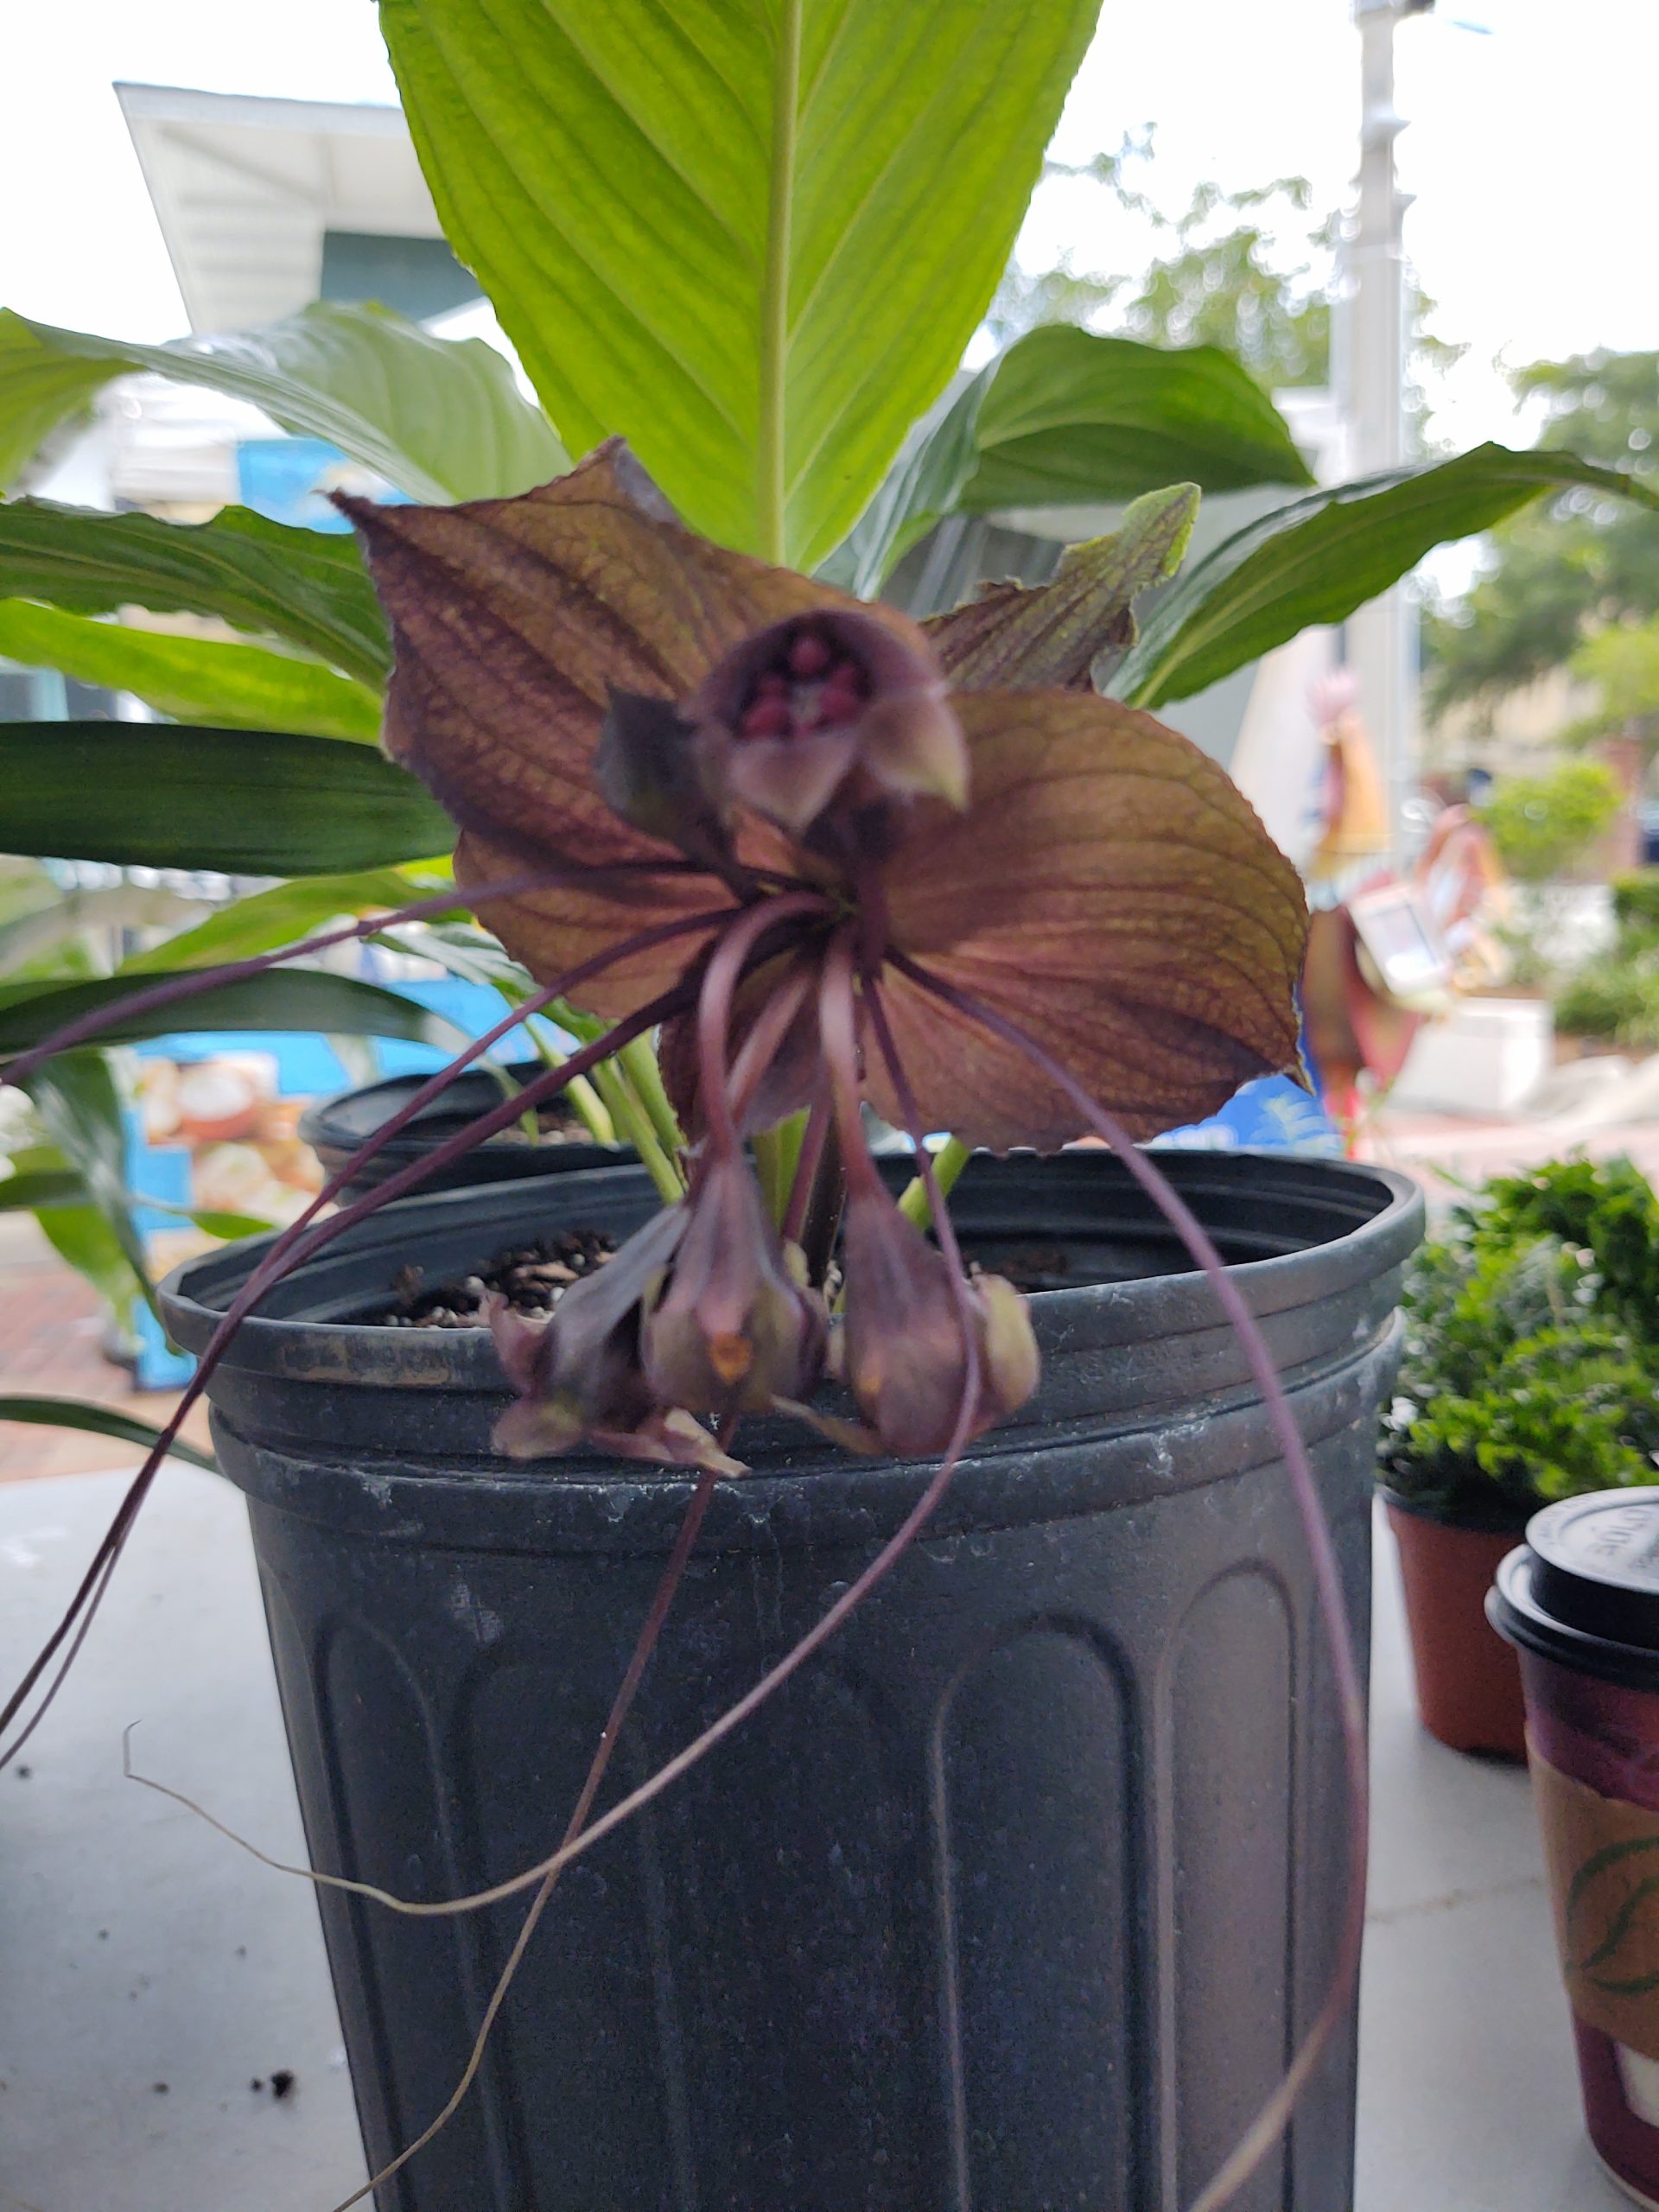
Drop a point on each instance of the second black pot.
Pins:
(338, 1129)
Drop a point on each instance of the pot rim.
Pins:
(440, 1357)
(1413, 1509)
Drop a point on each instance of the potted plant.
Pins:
(1531, 1373)
(872, 1952)
(846, 859)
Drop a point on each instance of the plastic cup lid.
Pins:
(1585, 1587)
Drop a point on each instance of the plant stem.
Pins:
(619, 1096)
(583, 1098)
(640, 1059)
(948, 1163)
(771, 460)
(776, 1152)
(589, 1104)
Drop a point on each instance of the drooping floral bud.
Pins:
(902, 1355)
(1011, 1364)
(831, 708)
(736, 1328)
(581, 1379)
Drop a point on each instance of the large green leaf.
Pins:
(97, 1420)
(278, 998)
(79, 1103)
(195, 680)
(1070, 417)
(441, 418)
(1065, 417)
(266, 920)
(1318, 559)
(307, 586)
(250, 802)
(752, 235)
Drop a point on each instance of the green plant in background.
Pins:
(1615, 995)
(1636, 907)
(1622, 664)
(1531, 1369)
(1614, 999)
(762, 264)
(1252, 272)
(1542, 825)
(1567, 569)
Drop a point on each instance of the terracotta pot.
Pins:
(1468, 1679)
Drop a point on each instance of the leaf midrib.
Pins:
(771, 457)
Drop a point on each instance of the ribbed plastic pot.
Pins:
(1020, 1896)
(338, 1129)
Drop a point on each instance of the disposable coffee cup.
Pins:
(1579, 1600)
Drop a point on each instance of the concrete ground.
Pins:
(153, 1973)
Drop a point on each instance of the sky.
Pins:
(1529, 149)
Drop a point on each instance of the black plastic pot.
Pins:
(1019, 1898)
(337, 1130)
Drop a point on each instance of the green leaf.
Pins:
(30, 1188)
(230, 1226)
(99, 1421)
(194, 679)
(441, 418)
(1318, 559)
(48, 941)
(924, 485)
(287, 999)
(39, 388)
(1027, 635)
(81, 1236)
(266, 920)
(79, 1106)
(752, 235)
(307, 586)
(1070, 417)
(474, 957)
(249, 803)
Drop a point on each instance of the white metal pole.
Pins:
(1382, 637)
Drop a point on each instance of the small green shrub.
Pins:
(1616, 997)
(1531, 1369)
(1542, 825)
(1635, 909)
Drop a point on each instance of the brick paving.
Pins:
(51, 1346)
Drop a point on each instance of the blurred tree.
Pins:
(1250, 271)
(1622, 663)
(1562, 571)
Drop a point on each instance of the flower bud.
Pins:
(581, 1376)
(902, 1352)
(735, 1328)
(830, 709)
